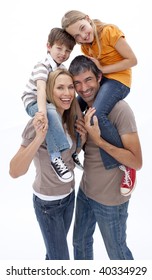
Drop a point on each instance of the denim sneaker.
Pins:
(76, 161)
(128, 183)
(61, 170)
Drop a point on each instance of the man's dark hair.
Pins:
(82, 63)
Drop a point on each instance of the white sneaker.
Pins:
(77, 161)
(61, 170)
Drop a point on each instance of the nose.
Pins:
(83, 35)
(67, 91)
(83, 87)
(63, 52)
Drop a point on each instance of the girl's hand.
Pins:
(96, 61)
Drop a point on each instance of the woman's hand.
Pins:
(40, 124)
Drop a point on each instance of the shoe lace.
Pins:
(60, 165)
(127, 179)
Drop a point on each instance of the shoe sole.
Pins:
(127, 194)
(61, 179)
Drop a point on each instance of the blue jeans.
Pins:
(110, 92)
(112, 224)
(56, 139)
(54, 218)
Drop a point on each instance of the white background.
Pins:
(24, 27)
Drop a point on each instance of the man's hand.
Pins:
(93, 130)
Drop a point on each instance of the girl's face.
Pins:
(63, 92)
(82, 31)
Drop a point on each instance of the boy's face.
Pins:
(59, 53)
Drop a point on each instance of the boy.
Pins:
(59, 47)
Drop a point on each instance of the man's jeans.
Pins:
(112, 224)
(54, 218)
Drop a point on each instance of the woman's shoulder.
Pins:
(29, 131)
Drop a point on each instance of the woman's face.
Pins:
(81, 31)
(63, 92)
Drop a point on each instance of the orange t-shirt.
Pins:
(109, 55)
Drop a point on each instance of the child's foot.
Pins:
(76, 161)
(128, 181)
(61, 170)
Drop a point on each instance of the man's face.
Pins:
(87, 86)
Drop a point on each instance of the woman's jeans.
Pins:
(54, 218)
(110, 92)
(112, 224)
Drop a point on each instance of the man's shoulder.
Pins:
(123, 118)
(121, 107)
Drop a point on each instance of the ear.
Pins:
(48, 46)
(99, 77)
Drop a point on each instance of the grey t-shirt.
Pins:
(46, 181)
(98, 183)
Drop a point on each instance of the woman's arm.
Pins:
(20, 163)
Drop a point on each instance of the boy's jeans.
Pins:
(54, 218)
(56, 139)
(112, 224)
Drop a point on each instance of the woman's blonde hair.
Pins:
(73, 16)
(69, 115)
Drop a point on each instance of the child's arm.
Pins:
(128, 58)
(41, 98)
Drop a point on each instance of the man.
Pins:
(99, 199)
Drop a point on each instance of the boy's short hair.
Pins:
(58, 35)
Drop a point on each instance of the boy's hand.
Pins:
(40, 124)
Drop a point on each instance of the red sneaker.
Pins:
(128, 183)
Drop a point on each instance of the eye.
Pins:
(71, 87)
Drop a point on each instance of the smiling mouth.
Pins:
(66, 100)
(87, 94)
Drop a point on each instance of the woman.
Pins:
(53, 200)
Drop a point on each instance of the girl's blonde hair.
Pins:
(69, 115)
(73, 16)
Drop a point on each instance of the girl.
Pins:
(105, 44)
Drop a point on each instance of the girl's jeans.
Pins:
(110, 92)
(54, 218)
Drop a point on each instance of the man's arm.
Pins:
(20, 163)
(130, 155)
